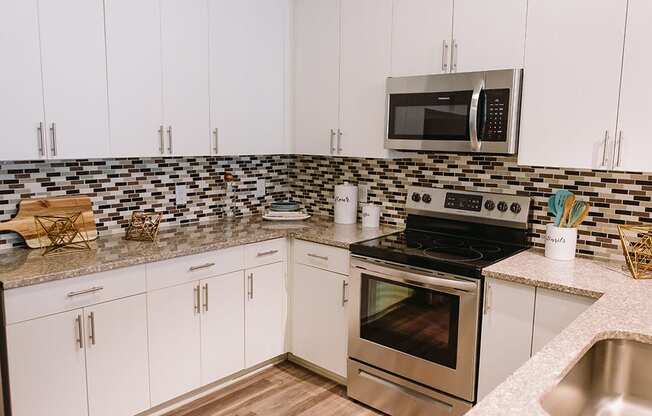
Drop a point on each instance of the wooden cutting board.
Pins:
(24, 223)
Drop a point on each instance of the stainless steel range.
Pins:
(415, 308)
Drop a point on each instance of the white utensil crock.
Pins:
(560, 242)
(370, 216)
(346, 204)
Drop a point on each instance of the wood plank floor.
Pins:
(282, 390)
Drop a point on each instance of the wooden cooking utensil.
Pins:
(25, 225)
(568, 204)
(582, 216)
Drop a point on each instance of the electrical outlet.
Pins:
(181, 194)
(260, 188)
(363, 193)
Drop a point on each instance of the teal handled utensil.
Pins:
(556, 204)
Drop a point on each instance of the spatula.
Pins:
(568, 205)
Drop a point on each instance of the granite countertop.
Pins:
(24, 267)
(623, 310)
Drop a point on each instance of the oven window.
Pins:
(416, 321)
(430, 116)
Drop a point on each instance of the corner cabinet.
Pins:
(345, 44)
(517, 322)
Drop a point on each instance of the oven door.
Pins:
(420, 325)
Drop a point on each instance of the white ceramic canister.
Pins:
(346, 203)
(371, 216)
(560, 242)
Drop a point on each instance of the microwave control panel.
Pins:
(497, 109)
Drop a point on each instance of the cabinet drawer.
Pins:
(190, 268)
(31, 302)
(322, 256)
(267, 252)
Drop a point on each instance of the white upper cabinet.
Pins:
(488, 35)
(364, 67)
(316, 75)
(633, 146)
(421, 37)
(21, 94)
(573, 62)
(248, 41)
(184, 34)
(133, 41)
(74, 77)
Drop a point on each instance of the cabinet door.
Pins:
(554, 311)
(133, 41)
(634, 147)
(116, 357)
(264, 313)
(365, 62)
(222, 326)
(316, 75)
(47, 373)
(74, 77)
(21, 100)
(184, 34)
(482, 44)
(571, 82)
(319, 320)
(421, 37)
(506, 332)
(174, 341)
(247, 78)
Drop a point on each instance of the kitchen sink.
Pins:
(613, 378)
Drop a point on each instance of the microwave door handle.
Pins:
(473, 116)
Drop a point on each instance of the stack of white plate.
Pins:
(285, 211)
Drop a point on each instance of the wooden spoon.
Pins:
(582, 216)
(568, 204)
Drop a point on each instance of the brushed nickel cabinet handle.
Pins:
(206, 297)
(80, 338)
(620, 147)
(344, 299)
(216, 136)
(201, 266)
(454, 54)
(266, 253)
(53, 137)
(85, 291)
(487, 298)
(332, 144)
(316, 256)
(41, 139)
(91, 321)
(170, 139)
(251, 285)
(444, 56)
(339, 141)
(197, 300)
(161, 135)
(604, 150)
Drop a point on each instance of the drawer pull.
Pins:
(85, 291)
(201, 266)
(266, 253)
(80, 337)
(316, 256)
(344, 298)
(206, 297)
(91, 320)
(197, 305)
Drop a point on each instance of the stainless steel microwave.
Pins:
(461, 112)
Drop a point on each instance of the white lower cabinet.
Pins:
(506, 339)
(174, 341)
(319, 317)
(518, 321)
(265, 302)
(116, 357)
(222, 326)
(47, 371)
(88, 361)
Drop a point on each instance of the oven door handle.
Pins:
(429, 282)
(476, 144)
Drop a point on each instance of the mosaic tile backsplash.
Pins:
(119, 186)
(616, 198)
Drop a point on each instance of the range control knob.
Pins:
(416, 197)
(515, 207)
(502, 206)
(489, 205)
(426, 198)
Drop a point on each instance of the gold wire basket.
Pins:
(62, 232)
(143, 226)
(636, 241)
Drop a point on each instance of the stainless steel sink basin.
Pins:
(613, 378)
